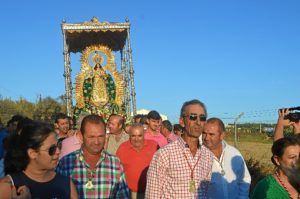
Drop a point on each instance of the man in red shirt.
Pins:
(136, 155)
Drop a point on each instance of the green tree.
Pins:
(62, 102)
(8, 108)
(25, 107)
(46, 108)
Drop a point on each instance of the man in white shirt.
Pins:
(230, 175)
(116, 134)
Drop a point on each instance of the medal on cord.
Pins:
(221, 164)
(90, 175)
(192, 183)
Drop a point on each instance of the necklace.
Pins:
(221, 163)
(192, 184)
(90, 174)
(282, 184)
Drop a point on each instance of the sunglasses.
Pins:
(52, 149)
(194, 117)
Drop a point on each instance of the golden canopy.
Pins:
(116, 36)
(80, 35)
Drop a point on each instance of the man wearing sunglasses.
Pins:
(230, 176)
(96, 173)
(182, 169)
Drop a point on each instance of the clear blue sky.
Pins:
(234, 55)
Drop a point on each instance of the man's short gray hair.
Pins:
(192, 102)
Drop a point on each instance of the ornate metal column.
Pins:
(125, 78)
(127, 91)
(67, 76)
(131, 71)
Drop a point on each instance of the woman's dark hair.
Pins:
(23, 122)
(280, 145)
(31, 136)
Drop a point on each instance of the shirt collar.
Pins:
(183, 144)
(80, 156)
(224, 144)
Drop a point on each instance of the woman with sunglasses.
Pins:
(36, 153)
(285, 153)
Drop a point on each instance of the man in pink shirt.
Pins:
(62, 125)
(166, 130)
(73, 142)
(153, 130)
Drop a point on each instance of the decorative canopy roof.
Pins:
(80, 35)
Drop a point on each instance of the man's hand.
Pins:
(281, 121)
(296, 127)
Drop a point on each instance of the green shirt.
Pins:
(269, 188)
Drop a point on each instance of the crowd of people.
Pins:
(149, 158)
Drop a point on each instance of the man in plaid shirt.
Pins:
(96, 173)
(182, 169)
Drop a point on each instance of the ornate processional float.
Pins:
(103, 85)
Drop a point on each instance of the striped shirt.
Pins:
(169, 174)
(108, 179)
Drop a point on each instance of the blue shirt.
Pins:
(3, 135)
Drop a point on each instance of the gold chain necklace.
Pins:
(90, 174)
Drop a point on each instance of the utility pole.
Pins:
(235, 129)
(260, 128)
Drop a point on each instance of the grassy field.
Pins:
(256, 147)
(261, 152)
